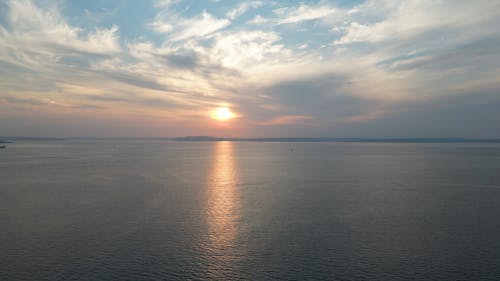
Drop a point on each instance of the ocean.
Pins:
(165, 210)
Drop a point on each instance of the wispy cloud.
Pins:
(181, 28)
(243, 8)
(202, 25)
(287, 120)
(303, 13)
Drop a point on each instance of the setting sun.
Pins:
(222, 114)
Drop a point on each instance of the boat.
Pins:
(2, 146)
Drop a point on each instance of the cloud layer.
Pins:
(322, 68)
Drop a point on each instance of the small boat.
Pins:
(2, 146)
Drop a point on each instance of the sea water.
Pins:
(164, 210)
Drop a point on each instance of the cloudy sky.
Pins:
(284, 68)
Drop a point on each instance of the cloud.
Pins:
(246, 48)
(356, 32)
(375, 21)
(164, 4)
(28, 101)
(32, 27)
(186, 28)
(469, 115)
(286, 120)
(363, 117)
(326, 97)
(161, 26)
(258, 19)
(203, 25)
(295, 14)
(303, 13)
(243, 8)
(99, 15)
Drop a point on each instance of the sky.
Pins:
(375, 69)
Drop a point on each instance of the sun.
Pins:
(222, 114)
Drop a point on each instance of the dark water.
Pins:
(132, 210)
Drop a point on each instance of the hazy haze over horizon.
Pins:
(370, 69)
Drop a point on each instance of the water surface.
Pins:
(161, 210)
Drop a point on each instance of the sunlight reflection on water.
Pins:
(223, 210)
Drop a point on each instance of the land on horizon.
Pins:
(11, 139)
(330, 139)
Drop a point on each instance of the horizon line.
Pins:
(269, 139)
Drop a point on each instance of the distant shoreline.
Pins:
(290, 139)
(364, 140)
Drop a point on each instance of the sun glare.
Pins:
(222, 114)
